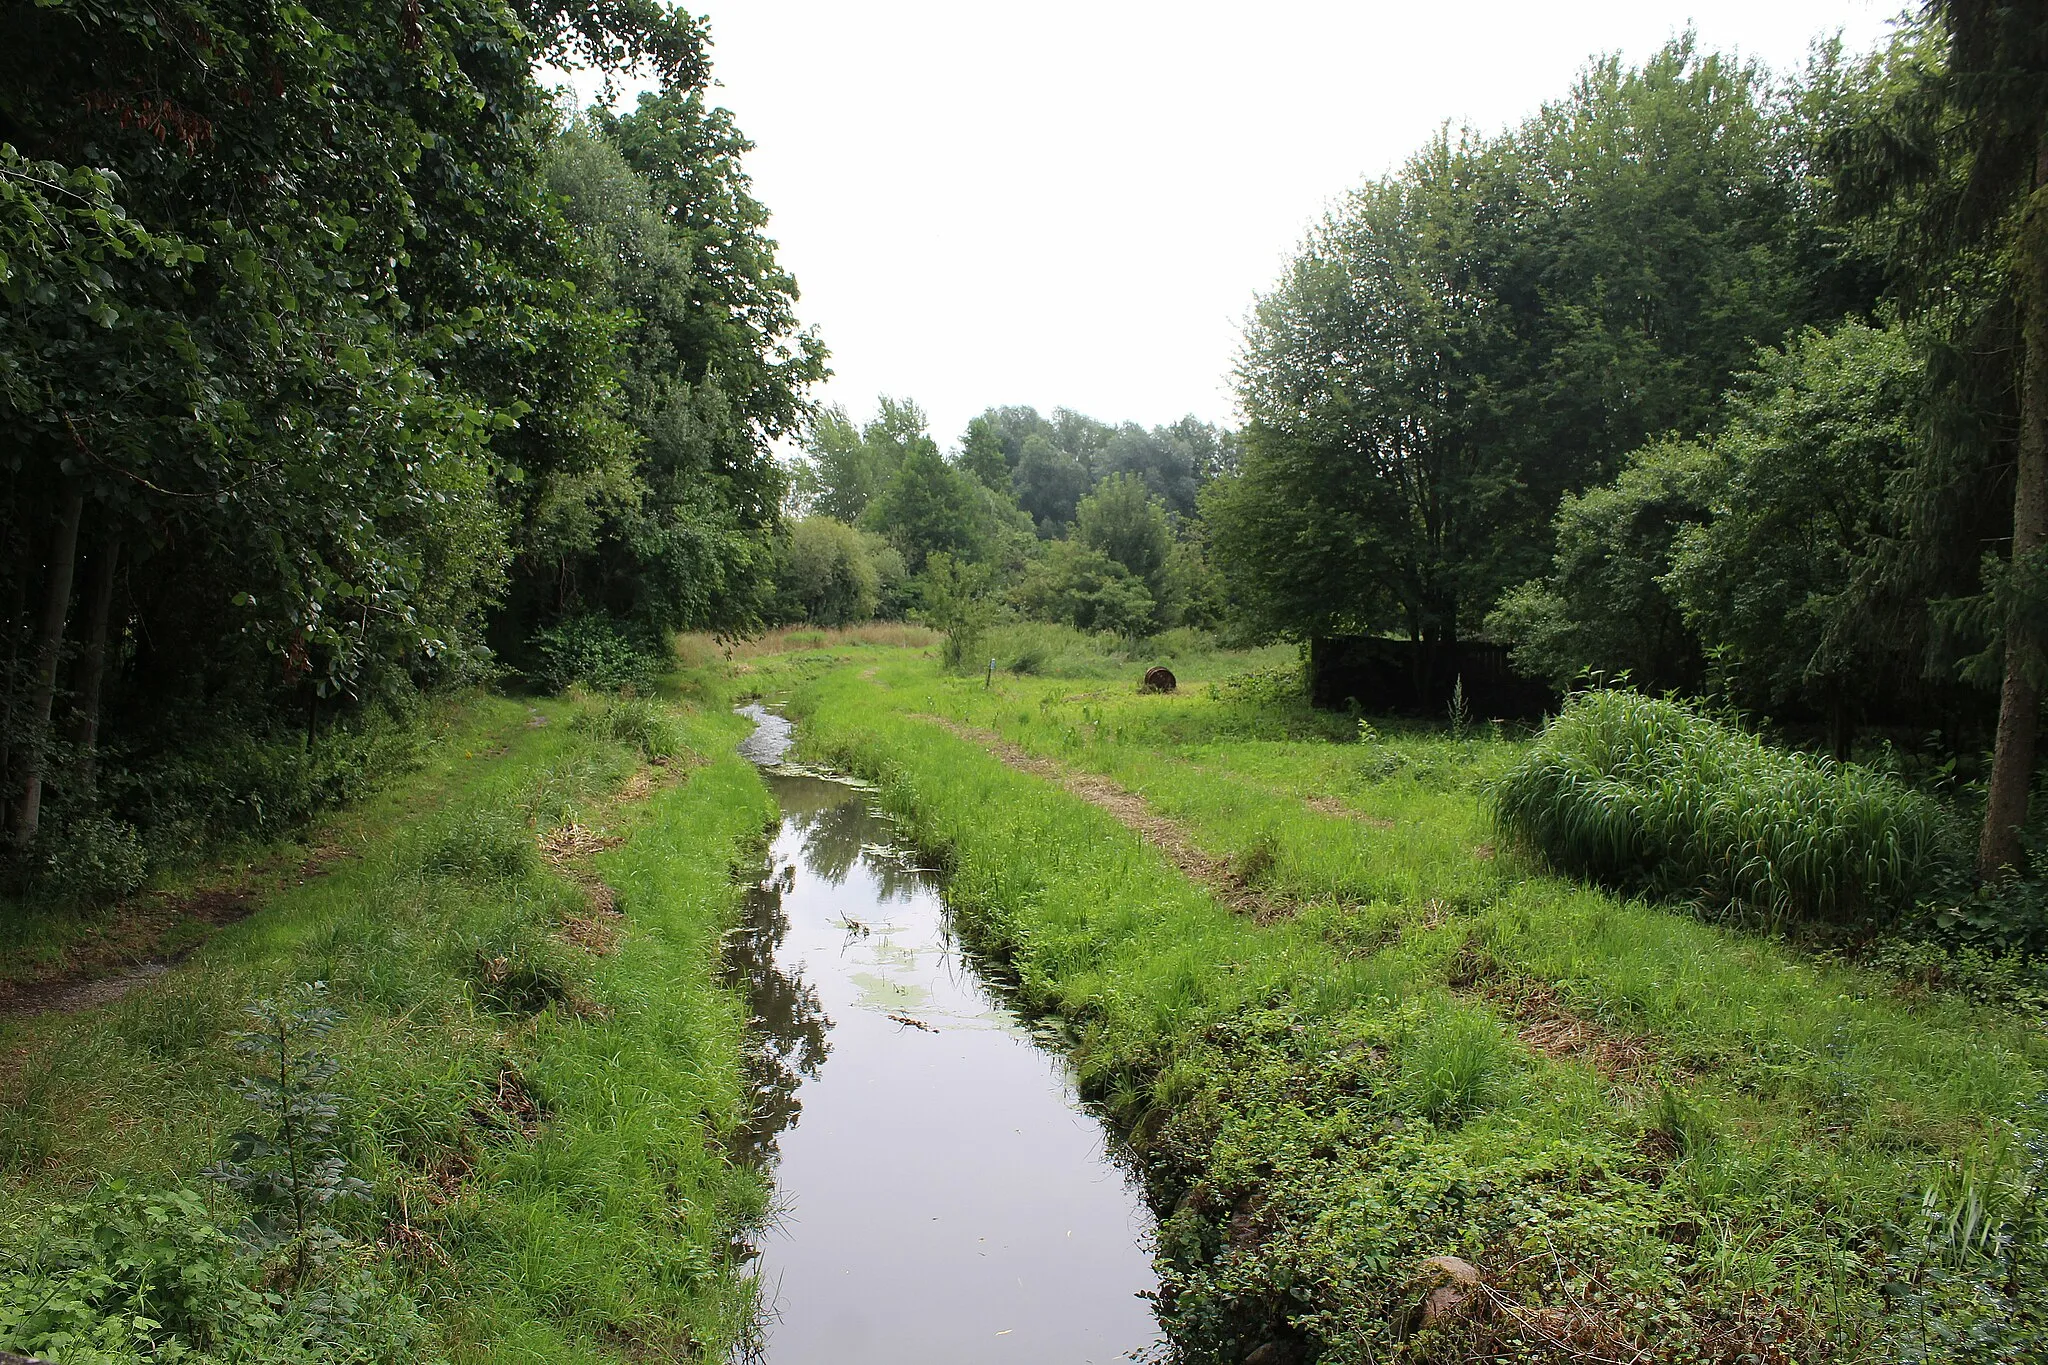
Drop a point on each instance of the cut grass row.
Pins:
(536, 1091)
(1329, 1101)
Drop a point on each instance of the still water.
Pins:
(942, 1195)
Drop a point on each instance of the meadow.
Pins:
(1397, 1089)
(1351, 1029)
(534, 1068)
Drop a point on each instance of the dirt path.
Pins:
(1226, 883)
(1543, 1023)
(147, 935)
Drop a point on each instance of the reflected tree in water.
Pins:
(786, 1042)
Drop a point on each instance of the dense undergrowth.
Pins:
(532, 1073)
(200, 781)
(1657, 1138)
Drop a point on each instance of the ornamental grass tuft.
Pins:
(1649, 796)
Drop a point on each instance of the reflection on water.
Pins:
(942, 1195)
(786, 1035)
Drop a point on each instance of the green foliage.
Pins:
(1651, 796)
(828, 573)
(133, 1274)
(928, 508)
(1051, 464)
(1049, 483)
(960, 602)
(671, 529)
(849, 466)
(639, 723)
(1088, 590)
(339, 350)
(1123, 521)
(87, 862)
(595, 651)
(1783, 582)
(290, 1168)
(1605, 608)
(1459, 345)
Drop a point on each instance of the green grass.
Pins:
(1041, 648)
(541, 1124)
(1324, 1102)
(1647, 795)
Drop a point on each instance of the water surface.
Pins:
(943, 1195)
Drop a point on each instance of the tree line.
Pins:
(1703, 378)
(1061, 518)
(340, 362)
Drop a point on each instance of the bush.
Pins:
(596, 651)
(87, 862)
(200, 778)
(1650, 796)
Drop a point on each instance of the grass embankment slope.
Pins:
(535, 1068)
(1656, 1138)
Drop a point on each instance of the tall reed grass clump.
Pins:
(1650, 796)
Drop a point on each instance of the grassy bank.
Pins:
(1655, 1138)
(534, 1067)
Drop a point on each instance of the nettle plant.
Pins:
(288, 1165)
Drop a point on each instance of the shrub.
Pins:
(596, 651)
(86, 862)
(288, 1166)
(1650, 796)
(127, 1275)
(959, 601)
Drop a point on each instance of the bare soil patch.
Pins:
(1549, 1027)
(140, 939)
(1545, 1023)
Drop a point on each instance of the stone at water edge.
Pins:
(1159, 680)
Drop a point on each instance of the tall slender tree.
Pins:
(1952, 160)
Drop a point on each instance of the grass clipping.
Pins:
(1649, 796)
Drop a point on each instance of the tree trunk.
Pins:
(2019, 700)
(17, 607)
(92, 662)
(1841, 729)
(49, 649)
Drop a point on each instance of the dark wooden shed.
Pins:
(1418, 678)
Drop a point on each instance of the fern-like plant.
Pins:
(288, 1165)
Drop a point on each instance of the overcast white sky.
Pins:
(1073, 204)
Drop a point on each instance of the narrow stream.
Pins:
(942, 1194)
